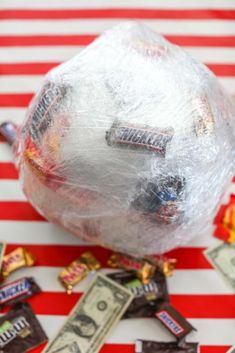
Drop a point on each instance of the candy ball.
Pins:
(129, 144)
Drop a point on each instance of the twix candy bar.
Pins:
(78, 270)
(144, 269)
(17, 259)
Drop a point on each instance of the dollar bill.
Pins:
(2, 252)
(222, 258)
(231, 350)
(97, 312)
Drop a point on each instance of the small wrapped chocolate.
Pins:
(78, 270)
(89, 259)
(73, 274)
(20, 331)
(139, 137)
(17, 259)
(173, 321)
(18, 290)
(144, 269)
(9, 131)
(164, 347)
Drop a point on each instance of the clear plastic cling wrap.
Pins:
(129, 144)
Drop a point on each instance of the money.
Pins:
(2, 251)
(91, 320)
(222, 258)
(231, 350)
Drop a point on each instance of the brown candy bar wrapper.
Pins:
(148, 297)
(73, 274)
(89, 259)
(18, 290)
(122, 277)
(20, 331)
(176, 324)
(144, 269)
(165, 347)
(17, 259)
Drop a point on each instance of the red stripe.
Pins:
(62, 255)
(8, 171)
(15, 99)
(18, 210)
(26, 68)
(43, 68)
(205, 306)
(222, 69)
(190, 306)
(130, 348)
(37, 40)
(122, 13)
(189, 258)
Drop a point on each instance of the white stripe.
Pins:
(11, 190)
(16, 115)
(62, 53)
(182, 282)
(6, 154)
(37, 233)
(20, 84)
(209, 331)
(165, 4)
(95, 26)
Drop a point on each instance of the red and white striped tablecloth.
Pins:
(34, 37)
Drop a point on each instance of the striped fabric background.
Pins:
(34, 37)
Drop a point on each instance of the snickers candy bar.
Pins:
(139, 137)
(9, 131)
(18, 290)
(17, 259)
(164, 347)
(176, 324)
(20, 331)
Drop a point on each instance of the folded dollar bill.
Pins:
(93, 318)
(222, 258)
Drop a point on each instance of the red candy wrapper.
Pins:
(225, 221)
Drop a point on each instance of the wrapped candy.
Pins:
(129, 144)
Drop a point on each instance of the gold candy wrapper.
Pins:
(89, 259)
(144, 269)
(73, 274)
(17, 259)
(77, 270)
(163, 264)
